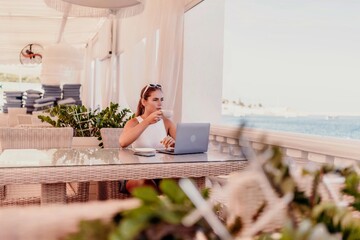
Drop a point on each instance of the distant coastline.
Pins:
(239, 109)
(336, 126)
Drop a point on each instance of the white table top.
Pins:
(25, 166)
(18, 158)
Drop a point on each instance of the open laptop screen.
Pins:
(191, 138)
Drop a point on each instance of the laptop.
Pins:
(190, 138)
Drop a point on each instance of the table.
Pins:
(55, 167)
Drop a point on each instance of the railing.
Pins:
(298, 146)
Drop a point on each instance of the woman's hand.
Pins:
(154, 117)
(168, 141)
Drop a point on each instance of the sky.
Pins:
(300, 54)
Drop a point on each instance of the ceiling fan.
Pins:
(31, 54)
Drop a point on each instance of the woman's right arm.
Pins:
(132, 131)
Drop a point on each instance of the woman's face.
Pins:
(154, 101)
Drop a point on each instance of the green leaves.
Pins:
(352, 183)
(146, 194)
(47, 119)
(91, 230)
(87, 123)
(306, 230)
(159, 216)
(330, 215)
(110, 117)
(173, 191)
(77, 117)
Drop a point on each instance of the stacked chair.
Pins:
(53, 91)
(13, 113)
(44, 103)
(13, 99)
(29, 99)
(72, 91)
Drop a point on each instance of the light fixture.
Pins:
(96, 8)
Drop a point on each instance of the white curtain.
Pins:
(87, 78)
(151, 47)
(147, 49)
(97, 80)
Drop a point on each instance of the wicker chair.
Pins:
(39, 138)
(13, 115)
(24, 118)
(111, 189)
(110, 137)
(4, 120)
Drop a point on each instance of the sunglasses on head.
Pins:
(151, 85)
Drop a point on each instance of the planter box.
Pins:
(83, 142)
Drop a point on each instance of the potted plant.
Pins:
(108, 124)
(85, 122)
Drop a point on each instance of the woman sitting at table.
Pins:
(149, 129)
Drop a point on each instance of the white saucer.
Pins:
(144, 150)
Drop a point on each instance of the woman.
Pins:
(149, 128)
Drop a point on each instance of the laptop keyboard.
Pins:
(170, 149)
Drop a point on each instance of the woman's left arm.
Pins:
(170, 128)
(169, 140)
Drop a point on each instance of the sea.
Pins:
(335, 126)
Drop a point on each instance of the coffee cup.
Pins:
(167, 113)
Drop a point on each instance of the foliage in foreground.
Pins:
(319, 220)
(159, 217)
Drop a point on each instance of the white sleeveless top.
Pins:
(151, 136)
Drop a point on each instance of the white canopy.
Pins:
(24, 22)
